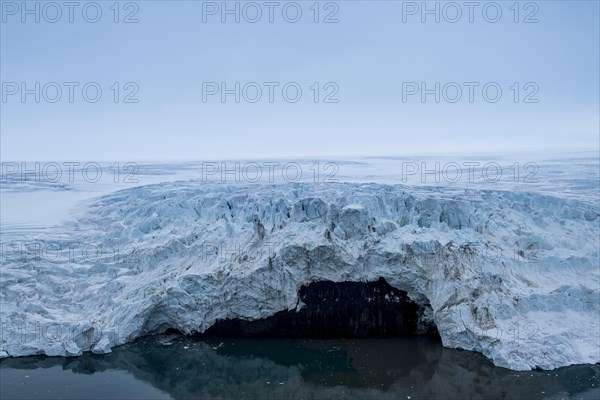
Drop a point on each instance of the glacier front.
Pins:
(513, 275)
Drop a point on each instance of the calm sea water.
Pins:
(177, 367)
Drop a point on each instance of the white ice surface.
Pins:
(510, 270)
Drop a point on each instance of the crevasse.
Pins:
(512, 275)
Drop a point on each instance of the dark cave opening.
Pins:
(338, 310)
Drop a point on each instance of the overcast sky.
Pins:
(361, 79)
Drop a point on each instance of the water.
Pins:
(177, 367)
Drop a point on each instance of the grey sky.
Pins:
(370, 61)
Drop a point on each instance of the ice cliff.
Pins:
(512, 275)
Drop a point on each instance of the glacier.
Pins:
(511, 274)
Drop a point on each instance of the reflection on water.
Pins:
(187, 368)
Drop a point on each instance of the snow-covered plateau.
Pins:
(511, 274)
